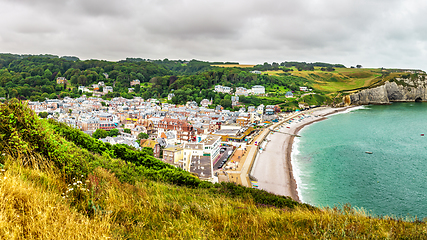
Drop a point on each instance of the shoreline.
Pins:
(273, 167)
(288, 150)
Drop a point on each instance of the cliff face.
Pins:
(400, 90)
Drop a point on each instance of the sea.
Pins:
(371, 157)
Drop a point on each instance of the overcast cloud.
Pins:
(373, 33)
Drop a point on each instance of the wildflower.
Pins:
(4, 177)
(71, 189)
(3, 170)
(79, 182)
(74, 184)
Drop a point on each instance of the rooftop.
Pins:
(210, 140)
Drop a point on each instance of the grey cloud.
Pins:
(376, 33)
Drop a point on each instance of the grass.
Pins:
(277, 88)
(342, 79)
(273, 73)
(234, 65)
(32, 208)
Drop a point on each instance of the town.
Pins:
(206, 142)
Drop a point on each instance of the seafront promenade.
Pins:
(253, 151)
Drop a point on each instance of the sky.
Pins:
(372, 33)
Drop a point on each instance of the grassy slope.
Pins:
(341, 79)
(102, 205)
(151, 210)
(31, 207)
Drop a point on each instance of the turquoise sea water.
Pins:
(331, 166)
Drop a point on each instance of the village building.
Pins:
(108, 89)
(222, 89)
(303, 89)
(258, 90)
(241, 91)
(205, 103)
(185, 131)
(61, 80)
(173, 155)
(151, 144)
(135, 82)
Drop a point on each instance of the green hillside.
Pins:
(57, 183)
(341, 79)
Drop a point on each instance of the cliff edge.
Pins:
(404, 89)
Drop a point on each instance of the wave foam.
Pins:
(350, 110)
(296, 169)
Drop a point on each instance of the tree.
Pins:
(43, 114)
(148, 150)
(113, 132)
(142, 136)
(100, 133)
(47, 74)
(226, 103)
(358, 66)
(126, 130)
(137, 88)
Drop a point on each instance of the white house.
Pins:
(260, 109)
(223, 89)
(108, 89)
(205, 103)
(135, 82)
(170, 96)
(241, 91)
(258, 90)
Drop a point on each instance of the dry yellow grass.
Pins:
(150, 210)
(273, 73)
(29, 212)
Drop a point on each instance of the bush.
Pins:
(100, 133)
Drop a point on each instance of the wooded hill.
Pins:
(29, 77)
(34, 78)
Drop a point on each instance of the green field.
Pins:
(342, 79)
